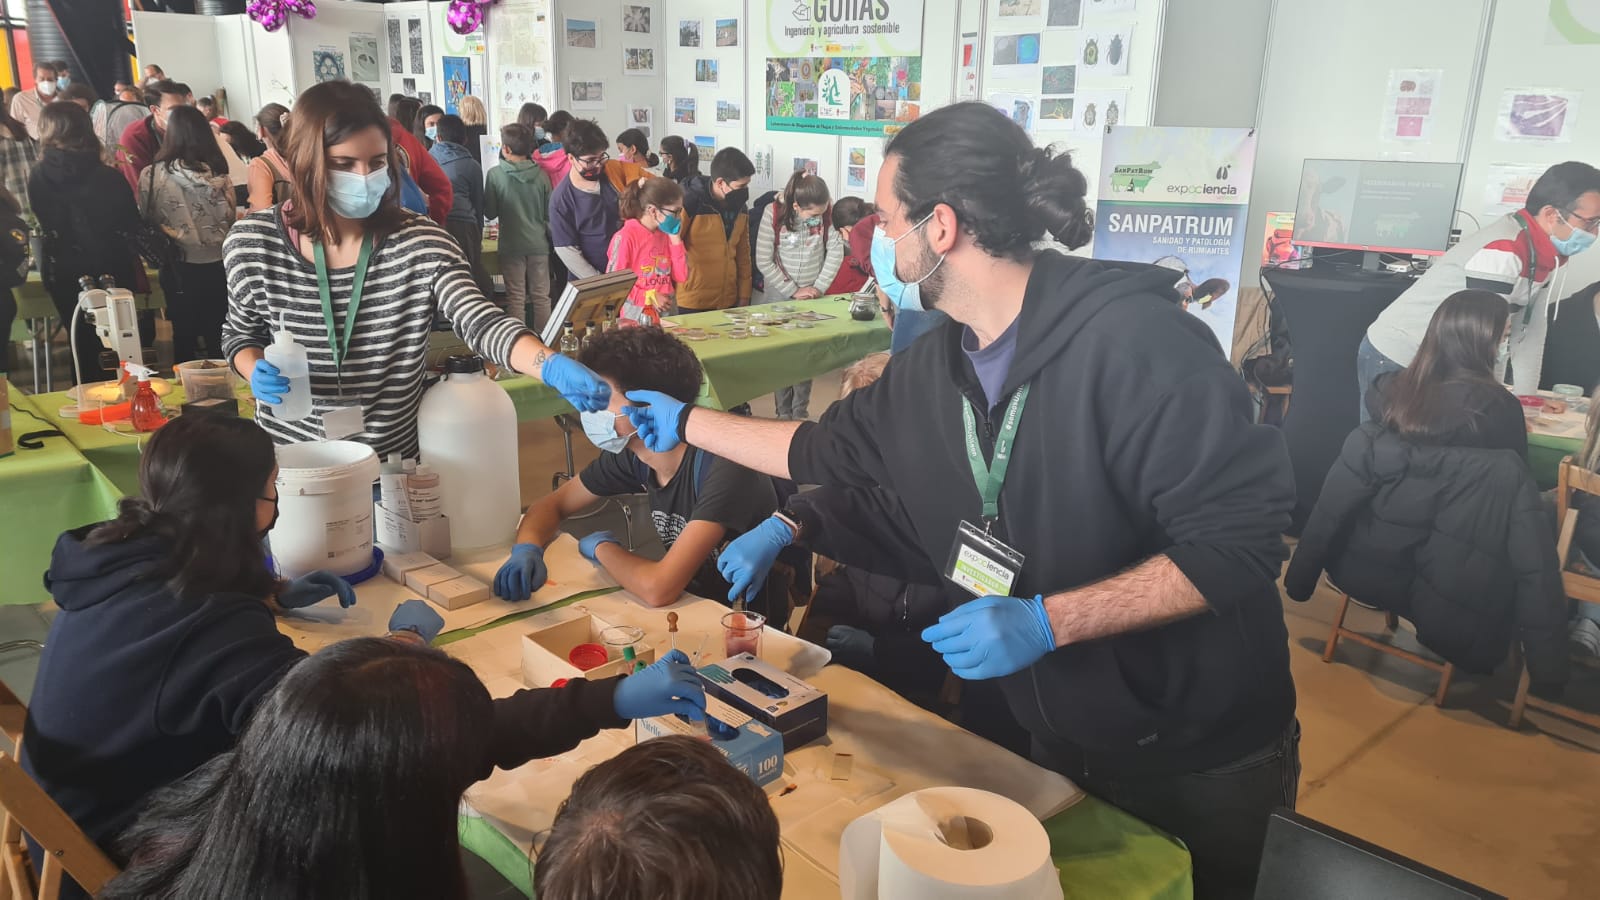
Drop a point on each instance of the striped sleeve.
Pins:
(1496, 267)
(246, 324)
(485, 327)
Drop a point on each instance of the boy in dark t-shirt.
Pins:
(698, 502)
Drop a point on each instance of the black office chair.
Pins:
(1307, 860)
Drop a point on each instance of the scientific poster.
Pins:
(419, 59)
(705, 71)
(1058, 80)
(683, 110)
(1018, 14)
(1099, 109)
(688, 32)
(408, 86)
(587, 95)
(804, 164)
(583, 33)
(636, 19)
(1057, 113)
(363, 57)
(519, 85)
(1537, 115)
(521, 51)
(1409, 104)
(1105, 52)
(854, 69)
(728, 111)
(1180, 198)
(855, 169)
(1506, 186)
(1064, 14)
(706, 146)
(727, 32)
(397, 51)
(457, 81)
(968, 83)
(1020, 108)
(327, 63)
(641, 117)
(1015, 55)
(640, 61)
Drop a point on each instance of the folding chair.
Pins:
(1391, 622)
(25, 809)
(1584, 588)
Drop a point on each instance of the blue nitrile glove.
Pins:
(992, 636)
(585, 390)
(522, 574)
(851, 646)
(658, 421)
(315, 588)
(750, 556)
(417, 616)
(669, 685)
(267, 383)
(592, 542)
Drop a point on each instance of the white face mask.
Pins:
(47, 88)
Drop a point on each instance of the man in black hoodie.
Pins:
(1127, 560)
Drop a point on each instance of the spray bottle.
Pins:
(290, 359)
(146, 411)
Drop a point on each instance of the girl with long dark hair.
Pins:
(798, 254)
(634, 147)
(186, 193)
(427, 122)
(1449, 395)
(680, 159)
(344, 227)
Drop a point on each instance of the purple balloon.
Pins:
(464, 17)
(308, 9)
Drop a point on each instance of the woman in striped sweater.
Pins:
(299, 265)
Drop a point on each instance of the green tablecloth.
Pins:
(43, 493)
(1100, 851)
(1545, 454)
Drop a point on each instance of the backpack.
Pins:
(757, 210)
(411, 196)
(13, 251)
(152, 242)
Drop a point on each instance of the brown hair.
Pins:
(471, 110)
(517, 139)
(1459, 347)
(273, 119)
(325, 115)
(803, 189)
(657, 192)
(668, 819)
(68, 128)
(863, 373)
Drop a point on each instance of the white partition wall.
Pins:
(591, 41)
(690, 38)
(346, 40)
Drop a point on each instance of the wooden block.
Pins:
(420, 580)
(397, 565)
(458, 592)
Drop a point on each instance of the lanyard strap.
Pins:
(337, 342)
(992, 476)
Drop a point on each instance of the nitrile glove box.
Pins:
(770, 695)
(753, 748)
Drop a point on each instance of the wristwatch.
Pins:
(798, 522)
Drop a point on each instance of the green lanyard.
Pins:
(991, 477)
(340, 343)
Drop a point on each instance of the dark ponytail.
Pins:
(684, 153)
(1005, 192)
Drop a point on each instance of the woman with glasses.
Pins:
(1521, 257)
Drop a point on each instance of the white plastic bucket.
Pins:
(324, 508)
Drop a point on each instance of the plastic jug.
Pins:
(290, 358)
(467, 430)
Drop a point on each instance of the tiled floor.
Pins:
(1517, 812)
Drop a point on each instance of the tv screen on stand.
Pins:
(1377, 206)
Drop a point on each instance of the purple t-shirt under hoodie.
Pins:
(584, 220)
(993, 363)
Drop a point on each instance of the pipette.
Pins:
(672, 628)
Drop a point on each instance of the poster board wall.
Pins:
(714, 103)
(412, 23)
(447, 46)
(599, 57)
(520, 60)
(345, 40)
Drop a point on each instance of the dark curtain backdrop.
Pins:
(90, 35)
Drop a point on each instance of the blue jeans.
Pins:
(1369, 365)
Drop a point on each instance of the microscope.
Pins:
(115, 319)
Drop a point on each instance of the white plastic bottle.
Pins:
(290, 359)
(467, 429)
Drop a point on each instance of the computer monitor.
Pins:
(1377, 206)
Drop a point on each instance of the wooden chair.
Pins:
(13, 713)
(1584, 588)
(1283, 391)
(26, 809)
(1446, 670)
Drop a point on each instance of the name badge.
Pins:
(982, 564)
(342, 422)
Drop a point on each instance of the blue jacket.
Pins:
(466, 178)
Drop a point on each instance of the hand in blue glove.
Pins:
(315, 588)
(749, 557)
(586, 391)
(992, 636)
(522, 574)
(590, 544)
(417, 616)
(658, 420)
(267, 383)
(669, 685)
(851, 647)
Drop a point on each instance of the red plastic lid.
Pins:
(559, 682)
(587, 656)
(1530, 400)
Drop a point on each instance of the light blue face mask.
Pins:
(538, 133)
(1574, 243)
(905, 295)
(63, 81)
(432, 131)
(600, 427)
(357, 196)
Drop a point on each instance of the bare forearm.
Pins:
(528, 355)
(759, 444)
(244, 362)
(644, 578)
(1152, 593)
(540, 525)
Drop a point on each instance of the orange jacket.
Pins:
(719, 255)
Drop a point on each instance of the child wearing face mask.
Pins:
(798, 255)
(650, 244)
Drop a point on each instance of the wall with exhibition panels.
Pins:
(608, 60)
(706, 81)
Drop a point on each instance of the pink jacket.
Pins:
(555, 162)
(661, 264)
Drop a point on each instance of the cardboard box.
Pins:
(397, 563)
(458, 592)
(420, 580)
(754, 748)
(544, 652)
(396, 531)
(772, 696)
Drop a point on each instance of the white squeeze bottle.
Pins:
(290, 358)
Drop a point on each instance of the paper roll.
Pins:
(947, 843)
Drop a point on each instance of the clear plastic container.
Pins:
(290, 359)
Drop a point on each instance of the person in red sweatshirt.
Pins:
(649, 243)
(141, 141)
(425, 172)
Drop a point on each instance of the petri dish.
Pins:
(759, 331)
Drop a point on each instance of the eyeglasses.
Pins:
(1590, 224)
(670, 211)
(594, 160)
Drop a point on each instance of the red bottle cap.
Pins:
(587, 656)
